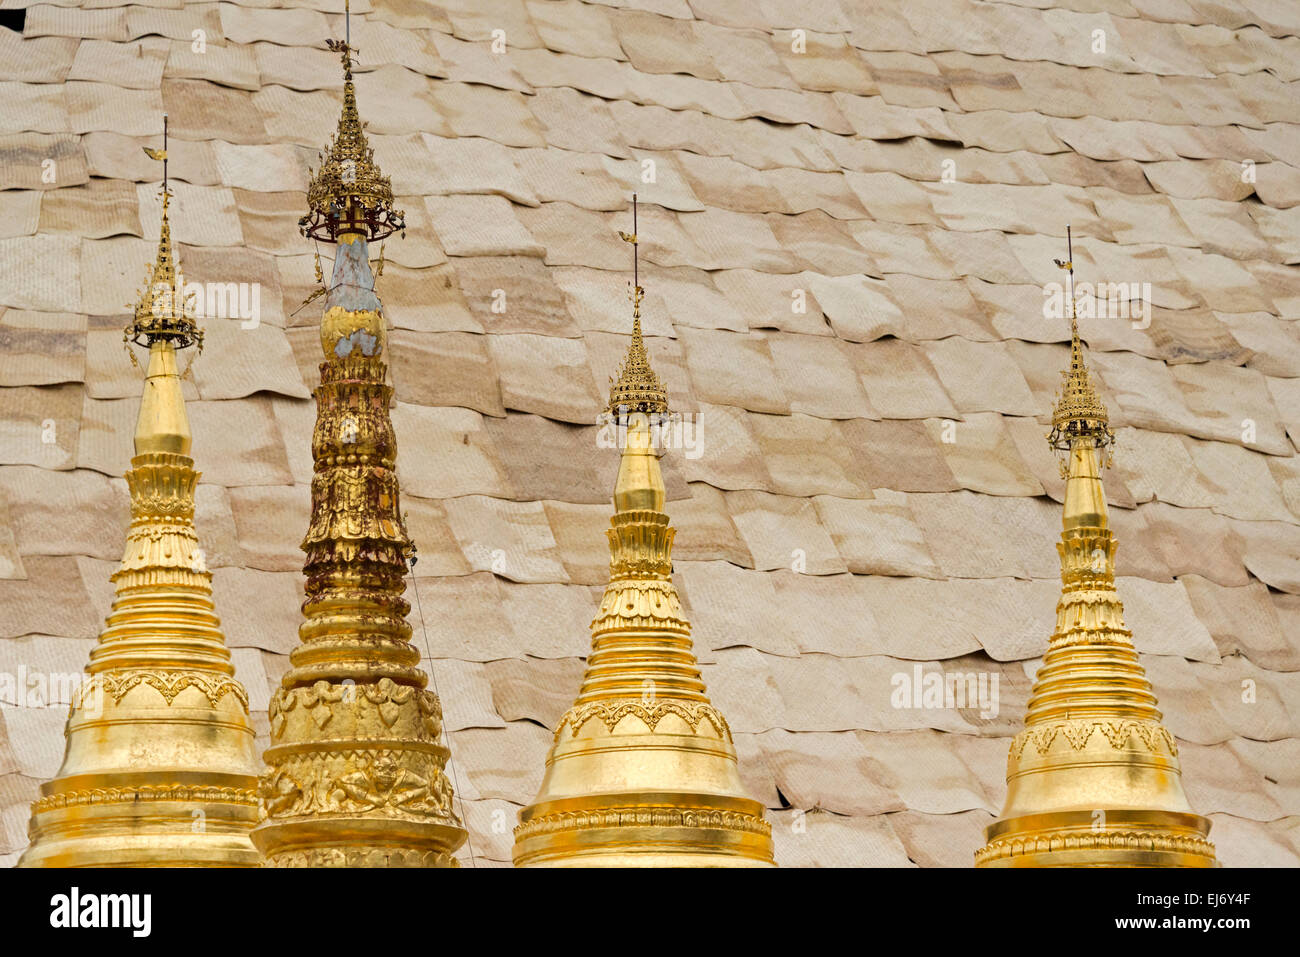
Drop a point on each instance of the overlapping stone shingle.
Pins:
(846, 235)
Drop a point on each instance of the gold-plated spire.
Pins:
(159, 767)
(643, 770)
(349, 193)
(1094, 777)
(356, 767)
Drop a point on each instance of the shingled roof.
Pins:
(1174, 152)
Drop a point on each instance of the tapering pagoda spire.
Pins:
(642, 771)
(356, 768)
(159, 768)
(1094, 778)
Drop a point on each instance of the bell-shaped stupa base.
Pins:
(636, 785)
(1096, 793)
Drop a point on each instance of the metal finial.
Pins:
(638, 389)
(1079, 412)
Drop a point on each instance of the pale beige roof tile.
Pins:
(473, 110)
(873, 116)
(980, 377)
(476, 22)
(898, 455)
(858, 308)
(41, 426)
(656, 44)
(834, 390)
(455, 455)
(571, 26)
(41, 348)
(783, 532)
(559, 175)
(877, 536)
(745, 56)
(49, 20)
(727, 368)
(656, 179)
(982, 456)
(1243, 620)
(809, 456)
(901, 382)
(480, 226)
(231, 65)
(138, 66)
(547, 376)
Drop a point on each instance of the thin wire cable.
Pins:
(455, 773)
(428, 654)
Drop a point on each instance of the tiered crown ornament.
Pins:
(349, 193)
(1093, 780)
(160, 767)
(356, 767)
(642, 771)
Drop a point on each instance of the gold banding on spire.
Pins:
(642, 769)
(159, 767)
(1094, 778)
(356, 770)
(349, 193)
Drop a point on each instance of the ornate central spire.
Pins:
(1094, 778)
(642, 771)
(356, 768)
(160, 766)
(349, 193)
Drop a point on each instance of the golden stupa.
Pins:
(1093, 780)
(643, 770)
(356, 772)
(160, 767)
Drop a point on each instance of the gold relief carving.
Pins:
(356, 502)
(630, 602)
(636, 816)
(126, 795)
(1096, 839)
(611, 713)
(361, 857)
(386, 695)
(358, 781)
(1142, 735)
(169, 684)
(162, 486)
